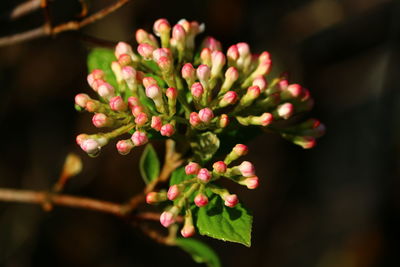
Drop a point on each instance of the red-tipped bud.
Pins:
(173, 192)
(253, 92)
(218, 61)
(188, 72)
(98, 74)
(197, 90)
(203, 72)
(139, 138)
(105, 90)
(285, 110)
(201, 200)
(165, 63)
(128, 73)
(124, 146)
(194, 119)
(92, 106)
(81, 99)
(123, 48)
(205, 56)
(154, 197)
(295, 90)
(153, 91)
(283, 84)
(161, 52)
(171, 93)
(229, 98)
(141, 119)
(206, 115)
(188, 231)
(266, 119)
(212, 43)
(100, 120)
(250, 182)
(167, 130)
(146, 51)
(96, 84)
(167, 218)
(261, 82)
(133, 101)
(161, 26)
(233, 53)
(141, 36)
(156, 123)
(247, 169)
(305, 142)
(80, 138)
(192, 168)
(90, 79)
(118, 104)
(204, 175)
(231, 200)
(219, 167)
(136, 110)
(243, 49)
(223, 121)
(124, 60)
(178, 33)
(148, 81)
(240, 150)
(90, 146)
(232, 74)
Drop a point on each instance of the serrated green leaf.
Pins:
(149, 164)
(204, 146)
(178, 176)
(101, 58)
(200, 252)
(224, 223)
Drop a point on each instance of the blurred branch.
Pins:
(48, 30)
(23, 9)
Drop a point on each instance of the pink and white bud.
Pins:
(283, 84)
(81, 100)
(197, 90)
(219, 167)
(141, 36)
(201, 200)
(124, 60)
(231, 200)
(218, 62)
(161, 26)
(165, 64)
(92, 105)
(139, 138)
(206, 115)
(96, 84)
(90, 79)
(124, 146)
(167, 218)
(100, 120)
(194, 119)
(223, 121)
(161, 52)
(146, 51)
(240, 150)
(136, 110)
(90, 146)
(229, 98)
(178, 33)
(80, 138)
(203, 73)
(173, 192)
(253, 92)
(188, 231)
(205, 56)
(154, 197)
(98, 74)
(261, 82)
(192, 168)
(118, 104)
(105, 90)
(156, 123)
(233, 53)
(243, 49)
(133, 101)
(250, 182)
(171, 93)
(153, 92)
(148, 81)
(285, 110)
(167, 130)
(204, 175)
(188, 72)
(141, 119)
(128, 73)
(295, 90)
(231, 74)
(305, 142)
(247, 169)
(123, 48)
(265, 119)
(212, 43)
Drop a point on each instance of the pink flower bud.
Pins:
(141, 36)
(188, 72)
(96, 84)
(171, 93)
(178, 33)
(118, 104)
(260, 82)
(100, 120)
(156, 123)
(204, 175)
(141, 119)
(90, 146)
(123, 48)
(136, 110)
(161, 52)
(246, 168)
(153, 91)
(133, 101)
(240, 150)
(219, 167)
(266, 119)
(283, 84)
(165, 64)
(232, 74)
(167, 130)
(148, 81)
(285, 110)
(167, 218)
(80, 138)
(81, 99)
(295, 90)
(231, 200)
(205, 56)
(243, 49)
(90, 79)
(146, 51)
(151, 198)
(212, 43)
(194, 119)
(229, 98)
(124, 146)
(124, 60)
(161, 26)
(233, 53)
(201, 200)
(173, 192)
(218, 61)
(91, 106)
(128, 73)
(305, 142)
(98, 74)
(253, 92)
(192, 168)
(203, 72)
(250, 182)
(188, 231)
(139, 138)
(197, 90)
(105, 90)
(206, 115)
(223, 121)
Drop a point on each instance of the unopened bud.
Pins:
(156, 123)
(148, 81)
(192, 168)
(261, 82)
(204, 175)
(171, 93)
(136, 110)
(223, 121)
(219, 167)
(285, 110)
(247, 169)
(218, 62)
(188, 72)
(203, 73)
(212, 43)
(240, 150)
(80, 138)
(197, 90)
(229, 98)
(167, 130)
(250, 182)
(231, 200)
(141, 119)
(206, 115)
(124, 146)
(123, 48)
(154, 197)
(173, 192)
(139, 138)
(118, 104)
(205, 56)
(90, 146)
(133, 101)
(194, 119)
(168, 217)
(105, 90)
(201, 200)
(101, 120)
(81, 99)
(153, 92)
(233, 53)
(124, 60)
(146, 51)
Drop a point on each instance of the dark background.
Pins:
(337, 205)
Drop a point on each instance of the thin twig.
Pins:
(22, 9)
(44, 30)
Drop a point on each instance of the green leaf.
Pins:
(228, 224)
(201, 253)
(204, 146)
(101, 58)
(149, 164)
(178, 176)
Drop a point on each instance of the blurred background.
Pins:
(337, 205)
